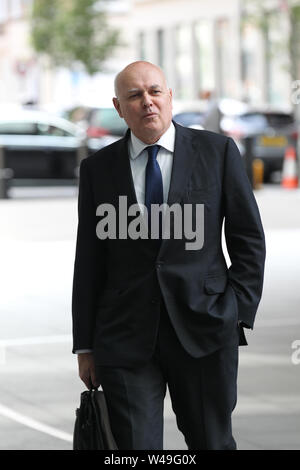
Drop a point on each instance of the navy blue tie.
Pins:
(154, 185)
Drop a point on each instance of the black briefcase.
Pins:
(92, 429)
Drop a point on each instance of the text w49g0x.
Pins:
(172, 459)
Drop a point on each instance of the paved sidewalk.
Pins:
(39, 386)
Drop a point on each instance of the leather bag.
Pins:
(92, 429)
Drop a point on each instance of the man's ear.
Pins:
(171, 96)
(117, 106)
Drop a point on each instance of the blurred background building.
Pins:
(233, 66)
(204, 46)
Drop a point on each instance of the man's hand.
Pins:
(87, 371)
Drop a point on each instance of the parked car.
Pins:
(271, 132)
(39, 145)
(101, 123)
(218, 108)
(189, 113)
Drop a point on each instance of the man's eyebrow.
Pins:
(133, 90)
(137, 90)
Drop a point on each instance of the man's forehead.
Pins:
(138, 78)
(149, 86)
(142, 72)
(140, 75)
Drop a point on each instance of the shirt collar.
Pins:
(167, 140)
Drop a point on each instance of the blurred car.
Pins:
(191, 119)
(105, 121)
(272, 132)
(39, 145)
(189, 113)
(102, 125)
(217, 109)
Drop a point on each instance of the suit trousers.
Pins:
(203, 393)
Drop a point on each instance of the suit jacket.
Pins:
(119, 283)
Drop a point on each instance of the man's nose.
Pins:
(147, 101)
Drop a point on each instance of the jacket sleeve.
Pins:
(244, 236)
(89, 266)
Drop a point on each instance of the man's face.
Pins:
(144, 101)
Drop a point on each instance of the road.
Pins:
(39, 387)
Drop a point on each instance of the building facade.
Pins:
(195, 42)
(203, 46)
(214, 46)
(18, 65)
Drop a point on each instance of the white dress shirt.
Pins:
(138, 162)
(139, 158)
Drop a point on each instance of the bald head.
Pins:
(144, 100)
(136, 68)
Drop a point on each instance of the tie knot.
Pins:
(153, 151)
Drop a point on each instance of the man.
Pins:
(154, 311)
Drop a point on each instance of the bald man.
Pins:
(154, 303)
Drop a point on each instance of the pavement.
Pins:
(40, 387)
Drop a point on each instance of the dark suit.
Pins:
(121, 287)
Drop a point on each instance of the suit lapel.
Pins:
(122, 174)
(184, 158)
(183, 162)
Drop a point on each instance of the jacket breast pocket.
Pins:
(204, 195)
(215, 285)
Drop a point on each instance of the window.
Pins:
(49, 130)
(160, 48)
(15, 7)
(184, 66)
(189, 118)
(18, 128)
(31, 128)
(224, 57)
(141, 46)
(205, 69)
(3, 11)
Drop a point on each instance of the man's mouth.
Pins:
(150, 115)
